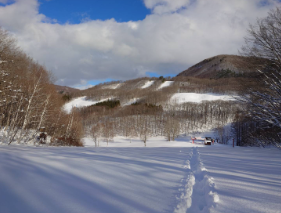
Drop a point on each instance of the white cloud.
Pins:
(165, 6)
(4, 1)
(176, 35)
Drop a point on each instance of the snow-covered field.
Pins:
(179, 177)
(136, 142)
(197, 97)
(247, 179)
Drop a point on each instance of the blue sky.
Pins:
(71, 11)
(152, 74)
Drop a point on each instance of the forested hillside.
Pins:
(29, 100)
(149, 107)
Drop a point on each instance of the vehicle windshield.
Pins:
(208, 138)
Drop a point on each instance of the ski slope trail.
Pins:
(198, 194)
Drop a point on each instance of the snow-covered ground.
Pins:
(66, 180)
(147, 84)
(197, 97)
(79, 102)
(165, 84)
(136, 142)
(247, 179)
(179, 177)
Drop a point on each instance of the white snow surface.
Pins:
(158, 141)
(79, 102)
(125, 177)
(147, 84)
(165, 84)
(247, 179)
(197, 97)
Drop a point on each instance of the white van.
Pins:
(208, 141)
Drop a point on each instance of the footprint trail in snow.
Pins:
(198, 192)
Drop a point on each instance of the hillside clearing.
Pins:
(147, 84)
(79, 102)
(166, 84)
(197, 97)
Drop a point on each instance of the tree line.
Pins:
(147, 120)
(258, 122)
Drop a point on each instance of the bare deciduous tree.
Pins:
(264, 103)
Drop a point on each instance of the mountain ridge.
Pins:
(220, 66)
(223, 66)
(66, 89)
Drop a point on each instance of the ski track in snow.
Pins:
(198, 192)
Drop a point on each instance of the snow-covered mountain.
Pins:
(151, 91)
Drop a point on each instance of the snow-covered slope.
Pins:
(176, 98)
(147, 84)
(79, 102)
(165, 84)
(197, 97)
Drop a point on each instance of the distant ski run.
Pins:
(199, 192)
